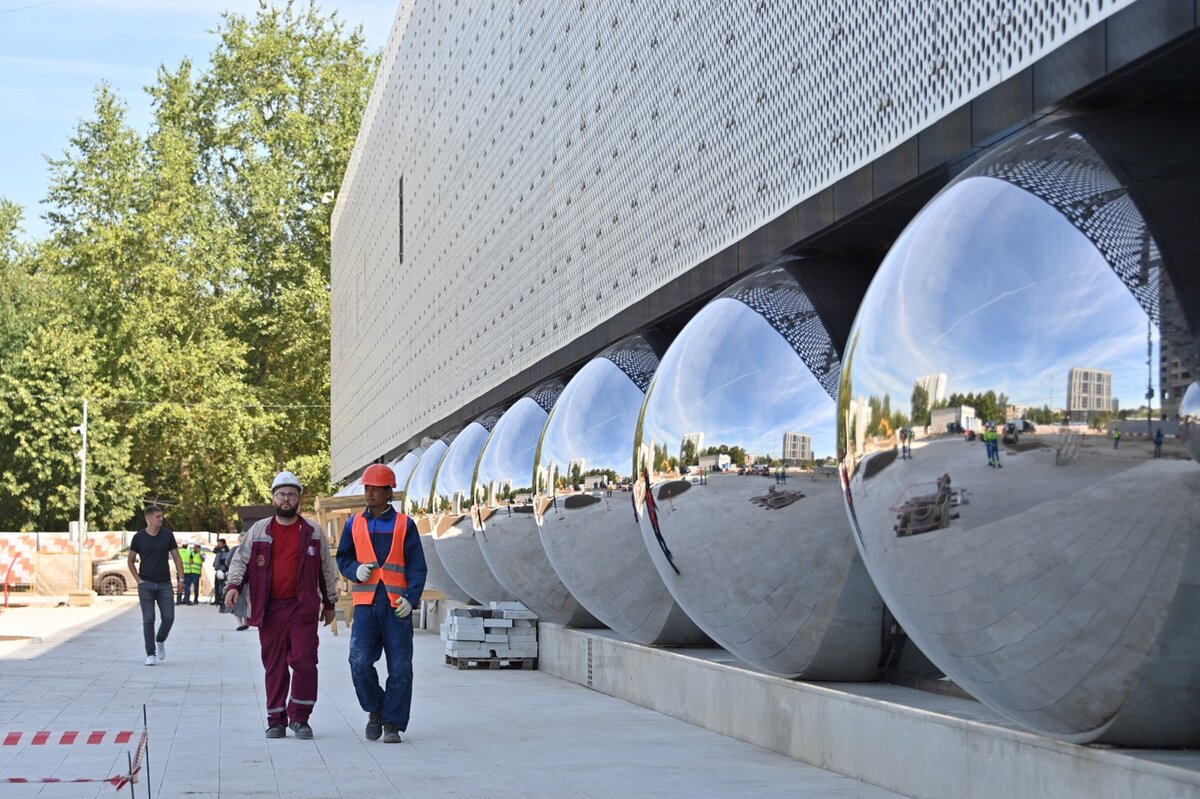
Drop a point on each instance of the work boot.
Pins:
(374, 726)
(276, 731)
(390, 734)
(301, 730)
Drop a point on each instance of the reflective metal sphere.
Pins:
(762, 561)
(415, 501)
(403, 467)
(1189, 416)
(584, 500)
(453, 531)
(504, 491)
(1054, 572)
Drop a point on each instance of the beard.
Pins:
(287, 513)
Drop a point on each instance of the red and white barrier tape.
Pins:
(69, 738)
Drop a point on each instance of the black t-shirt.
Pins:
(154, 554)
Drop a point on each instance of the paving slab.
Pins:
(475, 733)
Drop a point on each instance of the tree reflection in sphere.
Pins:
(414, 500)
(1056, 580)
(584, 499)
(761, 561)
(504, 490)
(453, 531)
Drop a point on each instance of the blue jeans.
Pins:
(148, 595)
(375, 631)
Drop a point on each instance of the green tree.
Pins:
(920, 406)
(40, 393)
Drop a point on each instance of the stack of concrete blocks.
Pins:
(504, 631)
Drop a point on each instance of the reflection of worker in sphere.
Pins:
(1158, 439)
(905, 453)
(991, 442)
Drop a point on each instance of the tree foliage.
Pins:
(196, 256)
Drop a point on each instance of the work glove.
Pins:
(403, 608)
(364, 572)
(220, 574)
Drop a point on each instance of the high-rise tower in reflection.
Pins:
(934, 385)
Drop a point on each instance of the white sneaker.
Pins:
(151, 660)
(160, 650)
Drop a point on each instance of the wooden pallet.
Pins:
(491, 663)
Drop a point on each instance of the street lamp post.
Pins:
(82, 496)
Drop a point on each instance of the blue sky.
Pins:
(54, 52)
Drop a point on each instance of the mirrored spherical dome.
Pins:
(453, 530)
(1037, 546)
(748, 536)
(414, 501)
(403, 468)
(584, 499)
(1189, 419)
(504, 490)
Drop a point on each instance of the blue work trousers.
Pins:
(375, 631)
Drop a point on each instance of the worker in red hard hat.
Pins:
(283, 561)
(387, 575)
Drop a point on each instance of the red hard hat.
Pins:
(379, 475)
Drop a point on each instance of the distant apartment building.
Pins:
(797, 449)
(1173, 380)
(695, 439)
(1089, 392)
(934, 385)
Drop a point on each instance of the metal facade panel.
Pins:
(561, 161)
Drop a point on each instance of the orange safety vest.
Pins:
(390, 572)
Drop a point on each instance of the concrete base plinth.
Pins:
(923, 745)
(81, 599)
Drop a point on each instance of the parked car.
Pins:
(111, 577)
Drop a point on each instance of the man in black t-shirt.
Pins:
(155, 546)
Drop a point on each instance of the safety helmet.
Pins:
(379, 475)
(286, 478)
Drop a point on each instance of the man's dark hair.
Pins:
(151, 509)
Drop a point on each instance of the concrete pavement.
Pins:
(473, 733)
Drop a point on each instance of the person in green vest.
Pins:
(193, 565)
(991, 442)
(1116, 437)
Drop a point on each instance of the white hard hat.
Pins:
(286, 479)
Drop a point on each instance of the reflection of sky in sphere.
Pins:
(459, 465)
(594, 420)
(420, 485)
(996, 289)
(508, 457)
(732, 377)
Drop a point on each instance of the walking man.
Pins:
(1158, 440)
(387, 569)
(284, 563)
(149, 557)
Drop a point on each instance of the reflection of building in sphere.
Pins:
(1055, 582)
(797, 449)
(934, 385)
(1089, 393)
(768, 570)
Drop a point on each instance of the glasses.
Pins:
(287, 494)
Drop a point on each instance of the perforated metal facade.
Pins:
(555, 162)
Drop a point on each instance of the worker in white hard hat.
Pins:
(284, 563)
